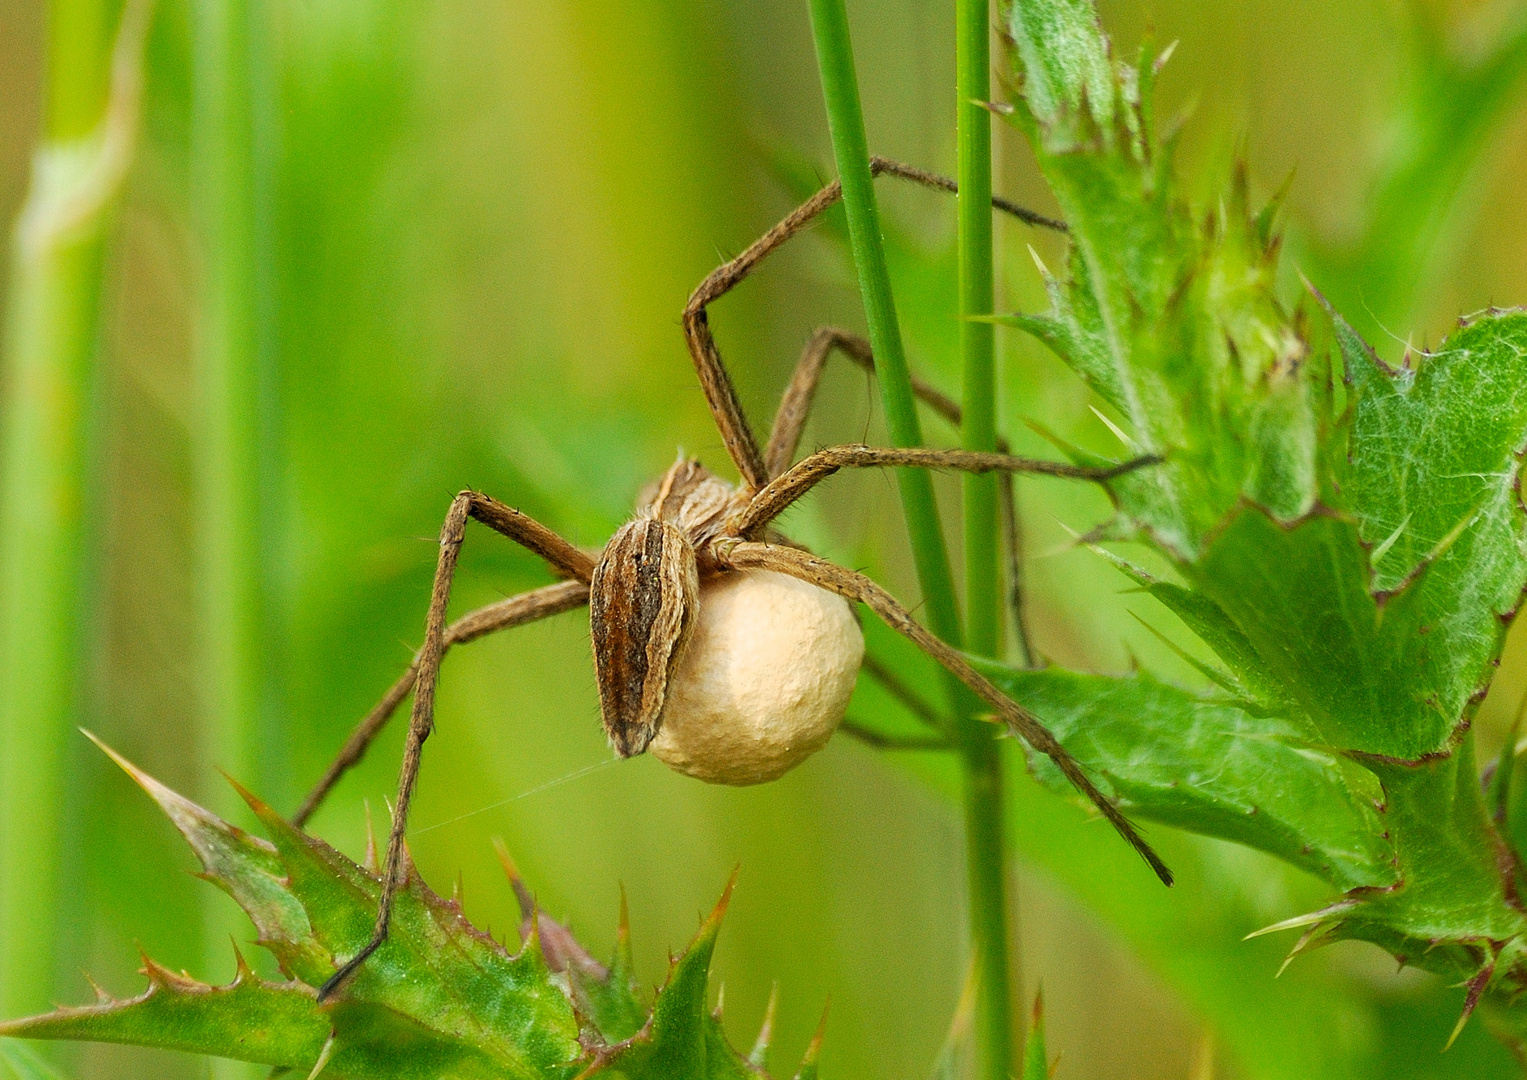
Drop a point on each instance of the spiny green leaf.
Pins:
(247, 869)
(435, 968)
(1435, 469)
(1455, 908)
(1351, 541)
(1204, 764)
(682, 1039)
(249, 1019)
(1168, 314)
(1066, 65)
(438, 1000)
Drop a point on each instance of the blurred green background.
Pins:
(369, 253)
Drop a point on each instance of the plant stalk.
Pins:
(998, 1024)
(231, 168)
(52, 348)
(983, 779)
(845, 121)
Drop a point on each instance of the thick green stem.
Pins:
(230, 166)
(997, 1025)
(845, 121)
(985, 856)
(52, 343)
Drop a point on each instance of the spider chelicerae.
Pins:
(740, 686)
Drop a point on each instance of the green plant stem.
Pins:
(983, 804)
(845, 121)
(231, 167)
(52, 346)
(997, 1022)
(229, 164)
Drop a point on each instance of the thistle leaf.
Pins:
(1202, 763)
(1349, 538)
(268, 1023)
(439, 1000)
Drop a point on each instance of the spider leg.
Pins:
(1012, 543)
(536, 537)
(795, 406)
(529, 533)
(855, 586)
(880, 740)
(717, 384)
(514, 611)
(781, 492)
(902, 691)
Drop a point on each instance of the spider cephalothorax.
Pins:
(730, 657)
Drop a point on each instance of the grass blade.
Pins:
(51, 354)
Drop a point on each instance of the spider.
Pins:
(694, 532)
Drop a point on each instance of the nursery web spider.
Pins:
(643, 587)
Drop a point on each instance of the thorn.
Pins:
(1165, 55)
(814, 1048)
(521, 892)
(458, 890)
(155, 974)
(101, 996)
(758, 1057)
(720, 1002)
(1303, 920)
(530, 932)
(1129, 443)
(1389, 542)
(323, 1058)
(999, 108)
(241, 965)
(719, 911)
(623, 957)
(1299, 947)
(1044, 271)
(1476, 987)
(1036, 1017)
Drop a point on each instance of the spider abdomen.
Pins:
(763, 682)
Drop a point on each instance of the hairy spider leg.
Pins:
(748, 555)
(780, 493)
(717, 384)
(565, 557)
(527, 607)
(880, 740)
(795, 404)
(795, 407)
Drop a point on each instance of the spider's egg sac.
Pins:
(763, 682)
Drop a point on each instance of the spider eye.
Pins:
(642, 603)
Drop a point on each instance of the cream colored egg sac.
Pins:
(763, 682)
